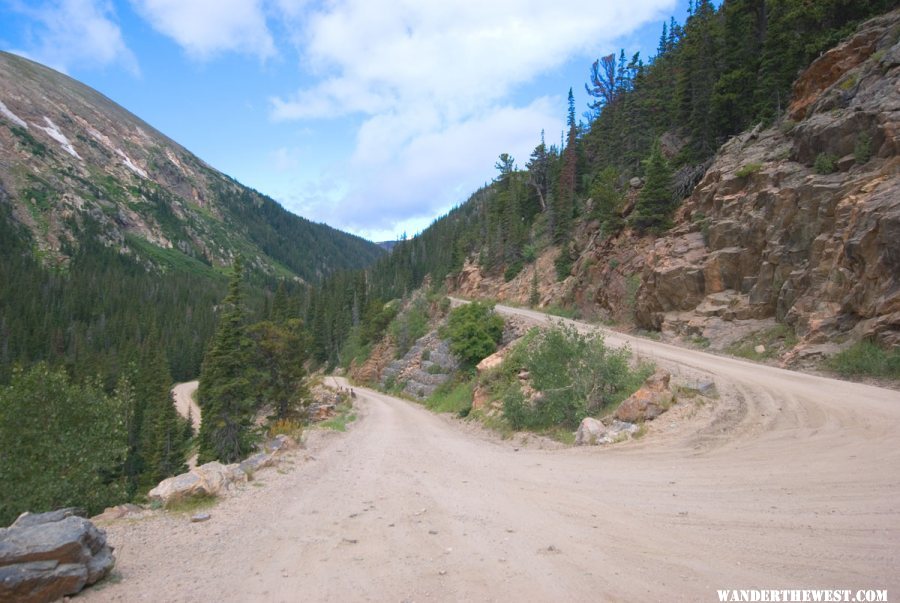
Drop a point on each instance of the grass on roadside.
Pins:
(339, 422)
(192, 504)
(775, 340)
(866, 359)
(452, 396)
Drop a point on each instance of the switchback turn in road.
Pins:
(791, 481)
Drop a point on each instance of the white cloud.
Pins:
(420, 174)
(433, 82)
(205, 28)
(456, 55)
(284, 159)
(68, 33)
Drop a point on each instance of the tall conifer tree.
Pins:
(225, 393)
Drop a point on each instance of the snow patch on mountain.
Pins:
(53, 132)
(12, 116)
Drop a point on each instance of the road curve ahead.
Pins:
(801, 489)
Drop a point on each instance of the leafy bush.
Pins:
(867, 359)
(825, 164)
(61, 444)
(474, 331)
(575, 375)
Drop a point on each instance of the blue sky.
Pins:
(373, 116)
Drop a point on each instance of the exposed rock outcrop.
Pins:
(428, 364)
(768, 236)
(381, 357)
(46, 556)
(650, 401)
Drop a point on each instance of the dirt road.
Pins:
(183, 393)
(792, 481)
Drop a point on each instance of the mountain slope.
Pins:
(116, 237)
(70, 156)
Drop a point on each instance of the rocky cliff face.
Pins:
(72, 161)
(800, 222)
(797, 224)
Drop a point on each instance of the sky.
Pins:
(373, 116)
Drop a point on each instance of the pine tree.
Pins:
(166, 457)
(655, 205)
(280, 304)
(278, 354)
(538, 167)
(566, 188)
(226, 394)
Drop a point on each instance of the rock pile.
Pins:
(46, 556)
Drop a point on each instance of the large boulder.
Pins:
(206, 480)
(650, 401)
(46, 556)
(590, 432)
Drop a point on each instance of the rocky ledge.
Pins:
(46, 556)
(798, 223)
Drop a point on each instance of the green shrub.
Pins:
(867, 359)
(575, 374)
(474, 331)
(529, 254)
(748, 169)
(849, 82)
(563, 266)
(513, 270)
(862, 151)
(410, 325)
(825, 164)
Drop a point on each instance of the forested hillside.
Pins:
(111, 231)
(655, 121)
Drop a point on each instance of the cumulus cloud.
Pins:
(69, 33)
(457, 55)
(411, 178)
(433, 82)
(205, 28)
